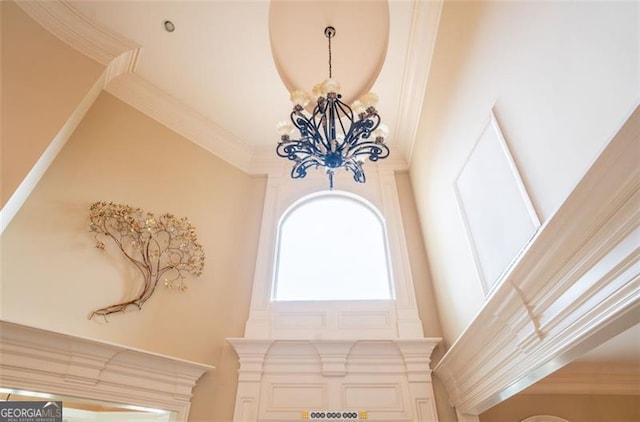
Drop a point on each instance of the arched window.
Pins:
(331, 246)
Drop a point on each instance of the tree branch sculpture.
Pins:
(160, 248)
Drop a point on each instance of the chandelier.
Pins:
(333, 135)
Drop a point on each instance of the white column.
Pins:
(251, 356)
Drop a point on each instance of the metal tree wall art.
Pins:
(162, 248)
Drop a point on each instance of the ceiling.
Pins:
(223, 77)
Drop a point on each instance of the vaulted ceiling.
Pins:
(222, 78)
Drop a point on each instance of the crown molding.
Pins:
(265, 161)
(45, 361)
(157, 104)
(424, 30)
(61, 19)
(576, 286)
(120, 56)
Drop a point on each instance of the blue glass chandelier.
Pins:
(333, 135)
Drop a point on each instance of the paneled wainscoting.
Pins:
(380, 380)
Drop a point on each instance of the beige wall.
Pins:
(43, 81)
(53, 276)
(425, 297)
(562, 77)
(574, 408)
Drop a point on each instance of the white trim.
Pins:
(100, 44)
(333, 319)
(157, 104)
(466, 418)
(576, 286)
(492, 125)
(37, 360)
(120, 55)
(424, 30)
(22, 192)
(280, 379)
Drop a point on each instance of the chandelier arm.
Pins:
(375, 151)
(346, 110)
(318, 118)
(308, 130)
(363, 128)
(297, 150)
(317, 141)
(327, 124)
(356, 169)
(299, 169)
(301, 122)
(343, 111)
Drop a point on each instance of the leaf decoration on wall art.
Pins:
(162, 248)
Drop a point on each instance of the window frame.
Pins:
(316, 196)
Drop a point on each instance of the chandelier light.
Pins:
(333, 135)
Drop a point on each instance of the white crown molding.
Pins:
(157, 104)
(120, 56)
(424, 30)
(44, 361)
(106, 47)
(576, 286)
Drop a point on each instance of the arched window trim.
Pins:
(316, 196)
(396, 318)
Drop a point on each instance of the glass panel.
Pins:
(332, 247)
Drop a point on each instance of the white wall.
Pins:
(562, 78)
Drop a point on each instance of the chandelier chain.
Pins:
(329, 36)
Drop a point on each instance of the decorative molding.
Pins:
(59, 17)
(22, 192)
(332, 319)
(382, 319)
(389, 379)
(409, 323)
(120, 56)
(424, 30)
(45, 361)
(490, 193)
(466, 418)
(157, 104)
(574, 287)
